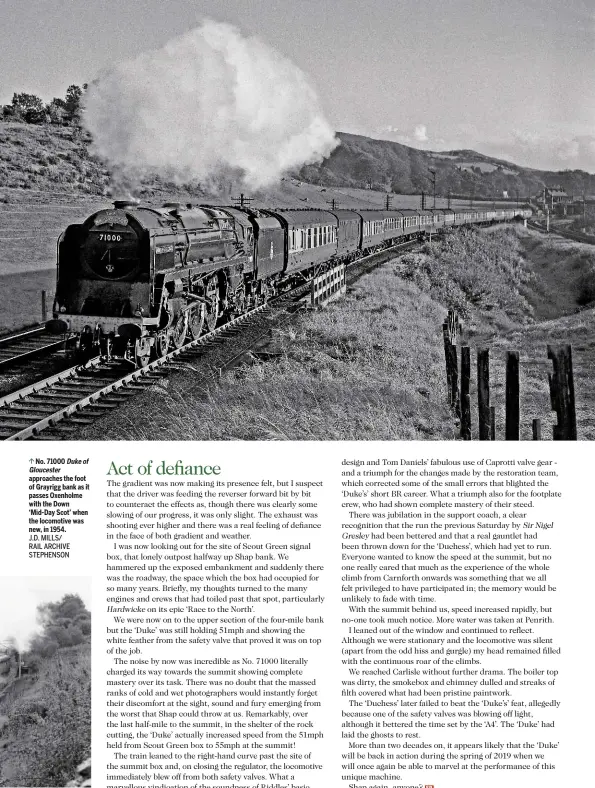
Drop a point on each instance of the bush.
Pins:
(52, 731)
(472, 270)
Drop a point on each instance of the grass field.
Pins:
(29, 231)
(561, 295)
(22, 298)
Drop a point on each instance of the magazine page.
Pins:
(296, 367)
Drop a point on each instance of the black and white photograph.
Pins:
(314, 221)
(45, 682)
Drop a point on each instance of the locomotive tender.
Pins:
(132, 280)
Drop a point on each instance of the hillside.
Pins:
(53, 158)
(360, 161)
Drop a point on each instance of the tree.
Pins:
(56, 111)
(29, 107)
(72, 103)
(63, 623)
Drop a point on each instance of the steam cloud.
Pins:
(207, 103)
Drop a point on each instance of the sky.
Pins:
(510, 79)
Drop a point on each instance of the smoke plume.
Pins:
(207, 103)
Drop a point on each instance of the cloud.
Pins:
(549, 149)
(416, 137)
(546, 152)
(209, 103)
(420, 133)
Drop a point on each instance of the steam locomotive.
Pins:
(133, 281)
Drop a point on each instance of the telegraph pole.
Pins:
(433, 184)
(332, 203)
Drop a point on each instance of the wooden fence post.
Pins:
(447, 359)
(512, 397)
(454, 380)
(44, 309)
(483, 393)
(562, 392)
(450, 330)
(465, 397)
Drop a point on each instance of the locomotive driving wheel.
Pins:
(179, 330)
(161, 343)
(196, 319)
(212, 308)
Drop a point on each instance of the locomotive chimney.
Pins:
(126, 203)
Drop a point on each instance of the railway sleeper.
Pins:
(59, 425)
(84, 420)
(13, 415)
(51, 397)
(80, 387)
(105, 380)
(39, 409)
(29, 344)
(101, 407)
(140, 384)
(112, 397)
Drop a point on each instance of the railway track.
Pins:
(21, 348)
(54, 408)
(572, 236)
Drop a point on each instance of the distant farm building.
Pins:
(556, 200)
